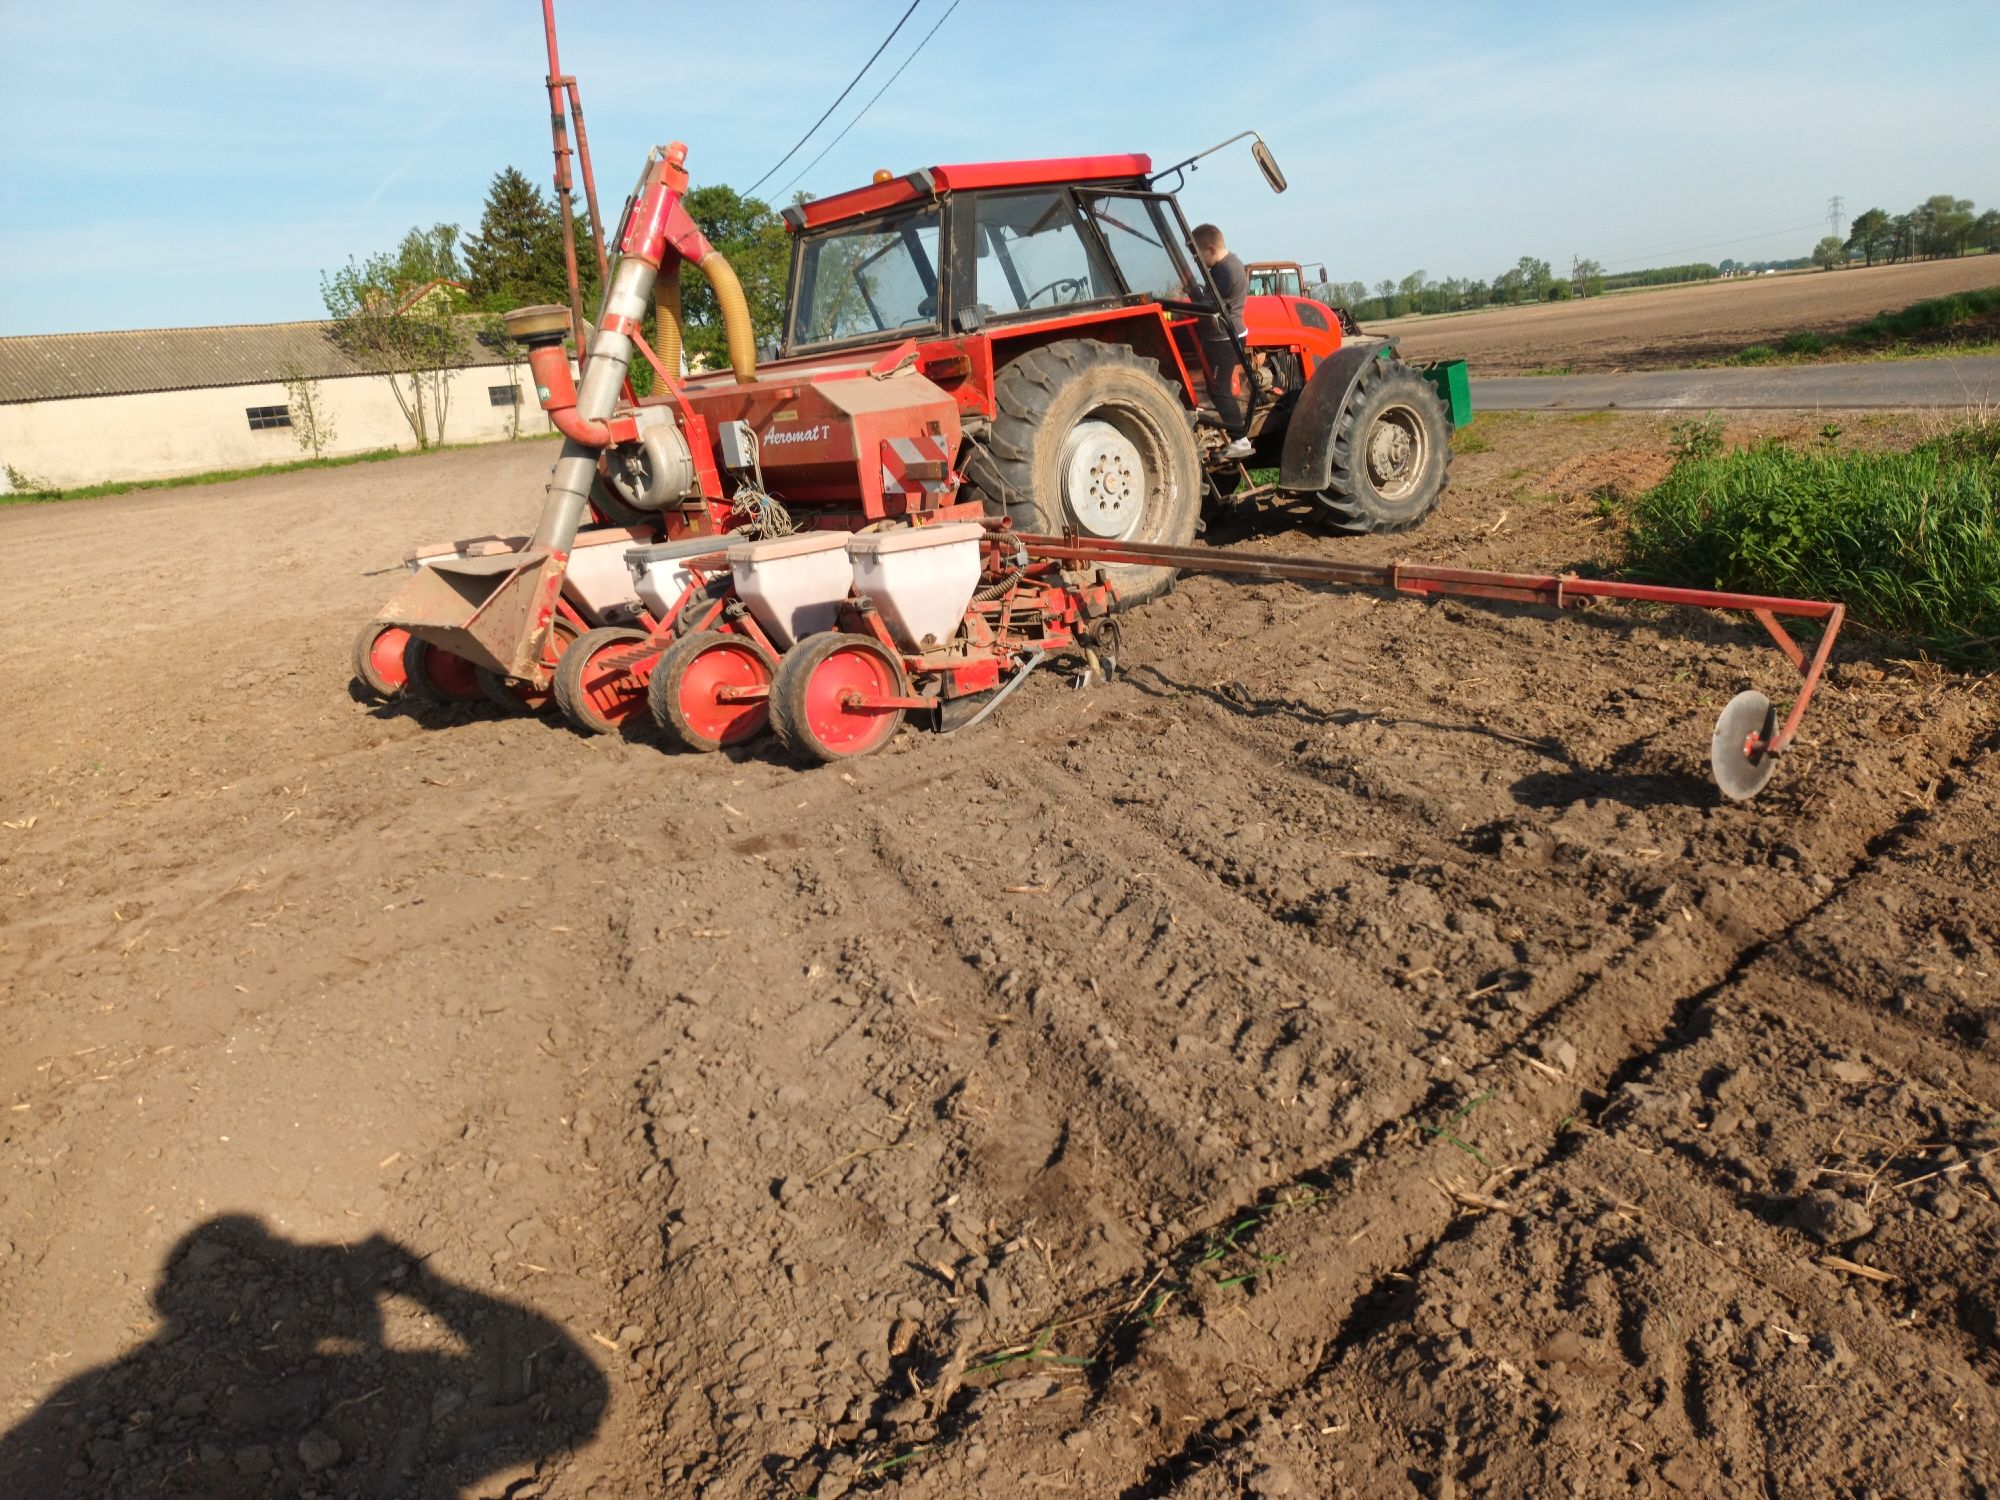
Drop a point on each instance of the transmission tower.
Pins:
(1834, 205)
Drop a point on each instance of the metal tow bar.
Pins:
(1748, 738)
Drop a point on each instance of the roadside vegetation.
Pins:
(1908, 541)
(1962, 323)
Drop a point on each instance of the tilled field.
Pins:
(1669, 327)
(1354, 1053)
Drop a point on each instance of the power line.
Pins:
(1668, 246)
(871, 103)
(1741, 239)
(837, 102)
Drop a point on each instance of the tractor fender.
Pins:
(1307, 464)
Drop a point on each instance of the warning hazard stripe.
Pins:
(900, 454)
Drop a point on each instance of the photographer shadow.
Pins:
(336, 1370)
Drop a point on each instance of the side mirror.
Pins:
(1268, 165)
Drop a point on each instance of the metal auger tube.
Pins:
(597, 396)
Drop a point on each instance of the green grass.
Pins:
(28, 492)
(1908, 541)
(1962, 323)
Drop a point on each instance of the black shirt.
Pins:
(1233, 283)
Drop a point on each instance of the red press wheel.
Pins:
(439, 676)
(378, 658)
(811, 707)
(686, 691)
(517, 697)
(601, 699)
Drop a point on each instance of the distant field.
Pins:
(1681, 325)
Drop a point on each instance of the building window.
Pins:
(268, 416)
(504, 395)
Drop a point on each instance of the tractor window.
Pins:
(867, 279)
(1136, 230)
(1031, 255)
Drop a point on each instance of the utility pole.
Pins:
(1834, 205)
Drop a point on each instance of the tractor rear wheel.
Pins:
(595, 698)
(1391, 452)
(1090, 436)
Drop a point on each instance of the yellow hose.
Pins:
(735, 316)
(667, 319)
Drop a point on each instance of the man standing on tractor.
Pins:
(1219, 338)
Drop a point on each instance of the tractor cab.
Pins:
(1283, 278)
(952, 251)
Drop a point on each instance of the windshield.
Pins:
(867, 279)
(1136, 230)
(1029, 253)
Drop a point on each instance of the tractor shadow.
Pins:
(272, 1371)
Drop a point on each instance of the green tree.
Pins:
(1830, 253)
(1588, 278)
(516, 259)
(391, 314)
(1510, 285)
(1411, 289)
(1986, 228)
(1943, 224)
(1535, 276)
(1871, 234)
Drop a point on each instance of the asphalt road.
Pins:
(1970, 382)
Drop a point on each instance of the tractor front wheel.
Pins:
(814, 705)
(1391, 452)
(595, 696)
(1090, 436)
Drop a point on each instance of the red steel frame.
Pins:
(1556, 591)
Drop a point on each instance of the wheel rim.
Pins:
(384, 658)
(451, 674)
(724, 663)
(614, 696)
(1398, 451)
(842, 729)
(1104, 479)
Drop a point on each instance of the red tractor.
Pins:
(1032, 340)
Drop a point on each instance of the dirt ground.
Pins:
(1354, 1053)
(1672, 326)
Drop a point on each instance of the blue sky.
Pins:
(185, 164)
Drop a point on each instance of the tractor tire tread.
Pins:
(1026, 390)
(1348, 501)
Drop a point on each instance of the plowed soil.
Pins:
(1356, 1052)
(1669, 327)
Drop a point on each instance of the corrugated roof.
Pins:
(62, 366)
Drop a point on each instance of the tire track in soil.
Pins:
(953, 901)
(1388, 1299)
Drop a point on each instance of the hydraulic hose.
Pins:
(667, 319)
(735, 307)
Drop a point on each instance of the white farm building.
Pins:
(87, 408)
